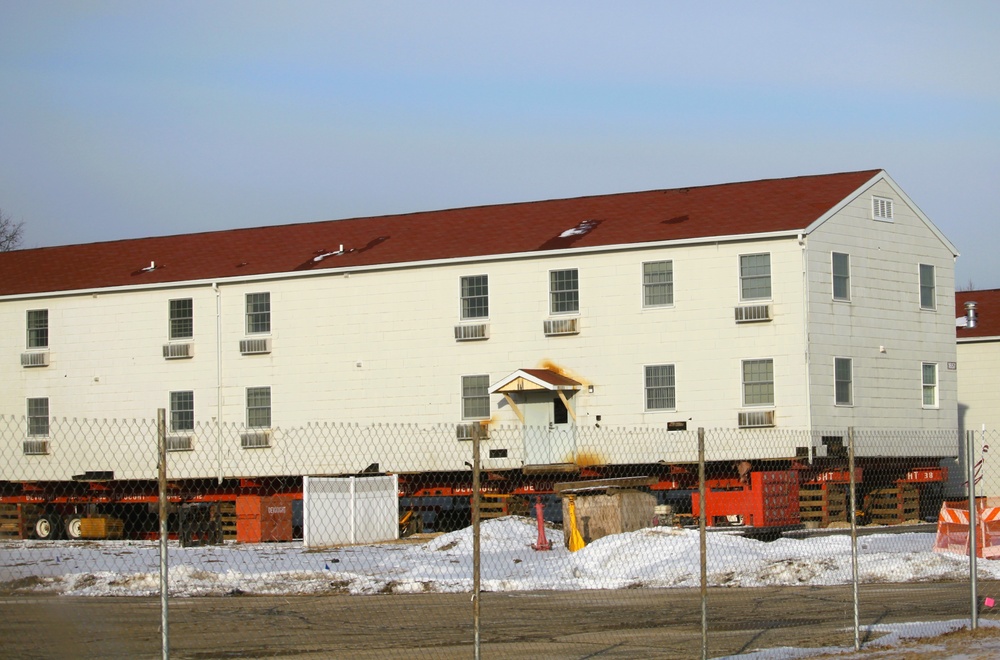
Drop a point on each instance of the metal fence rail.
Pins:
(656, 543)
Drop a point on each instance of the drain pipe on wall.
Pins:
(805, 334)
(218, 376)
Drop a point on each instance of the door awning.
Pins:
(527, 380)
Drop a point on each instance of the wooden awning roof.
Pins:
(526, 380)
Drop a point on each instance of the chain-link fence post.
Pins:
(702, 541)
(161, 441)
(477, 431)
(854, 538)
(970, 462)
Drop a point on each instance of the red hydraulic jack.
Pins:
(542, 543)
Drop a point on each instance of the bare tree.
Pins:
(10, 233)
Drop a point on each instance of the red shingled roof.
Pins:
(770, 205)
(987, 310)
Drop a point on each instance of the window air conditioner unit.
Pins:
(465, 431)
(180, 443)
(753, 313)
(35, 359)
(36, 447)
(472, 332)
(255, 439)
(255, 346)
(755, 419)
(178, 351)
(556, 327)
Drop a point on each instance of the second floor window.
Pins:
(38, 418)
(755, 276)
(258, 313)
(564, 291)
(927, 296)
(758, 382)
(475, 297)
(657, 283)
(841, 276)
(259, 407)
(181, 319)
(38, 328)
(476, 397)
(182, 411)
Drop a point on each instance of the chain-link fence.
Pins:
(344, 540)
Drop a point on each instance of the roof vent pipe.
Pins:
(970, 314)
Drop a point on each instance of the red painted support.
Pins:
(542, 543)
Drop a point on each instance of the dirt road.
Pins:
(640, 623)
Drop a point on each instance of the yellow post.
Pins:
(575, 540)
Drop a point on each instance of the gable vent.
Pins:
(753, 313)
(180, 443)
(881, 208)
(255, 439)
(556, 327)
(255, 346)
(36, 447)
(178, 351)
(755, 419)
(472, 332)
(35, 359)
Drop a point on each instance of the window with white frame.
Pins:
(38, 328)
(38, 417)
(755, 276)
(258, 313)
(661, 387)
(657, 283)
(929, 376)
(844, 381)
(475, 297)
(181, 324)
(564, 291)
(758, 382)
(882, 209)
(182, 411)
(841, 276)
(476, 397)
(258, 407)
(927, 287)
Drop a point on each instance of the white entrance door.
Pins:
(549, 435)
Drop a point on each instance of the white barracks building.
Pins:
(807, 303)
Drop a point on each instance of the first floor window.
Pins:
(564, 291)
(38, 328)
(475, 297)
(657, 283)
(930, 384)
(476, 397)
(927, 287)
(843, 378)
(182, 411)
(758, 382)
(258, 313)
(259, 407)
(660, 387)
(181, 319)
(38, 417)
(755, 276)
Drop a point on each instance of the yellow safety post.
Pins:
(575, 540)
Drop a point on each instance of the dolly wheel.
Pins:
(47, 527)
(73, 525)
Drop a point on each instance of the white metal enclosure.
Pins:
(345, 510)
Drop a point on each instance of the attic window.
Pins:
(581, 229)
(882, 209)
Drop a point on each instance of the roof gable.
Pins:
(682, 214)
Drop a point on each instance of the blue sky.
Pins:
(128, 119)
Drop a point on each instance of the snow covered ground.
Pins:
(656, 557)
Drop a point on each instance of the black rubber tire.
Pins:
(47, 527)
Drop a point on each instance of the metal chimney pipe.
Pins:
(970, 314)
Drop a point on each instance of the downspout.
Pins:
(218, 376)
(805, 338)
